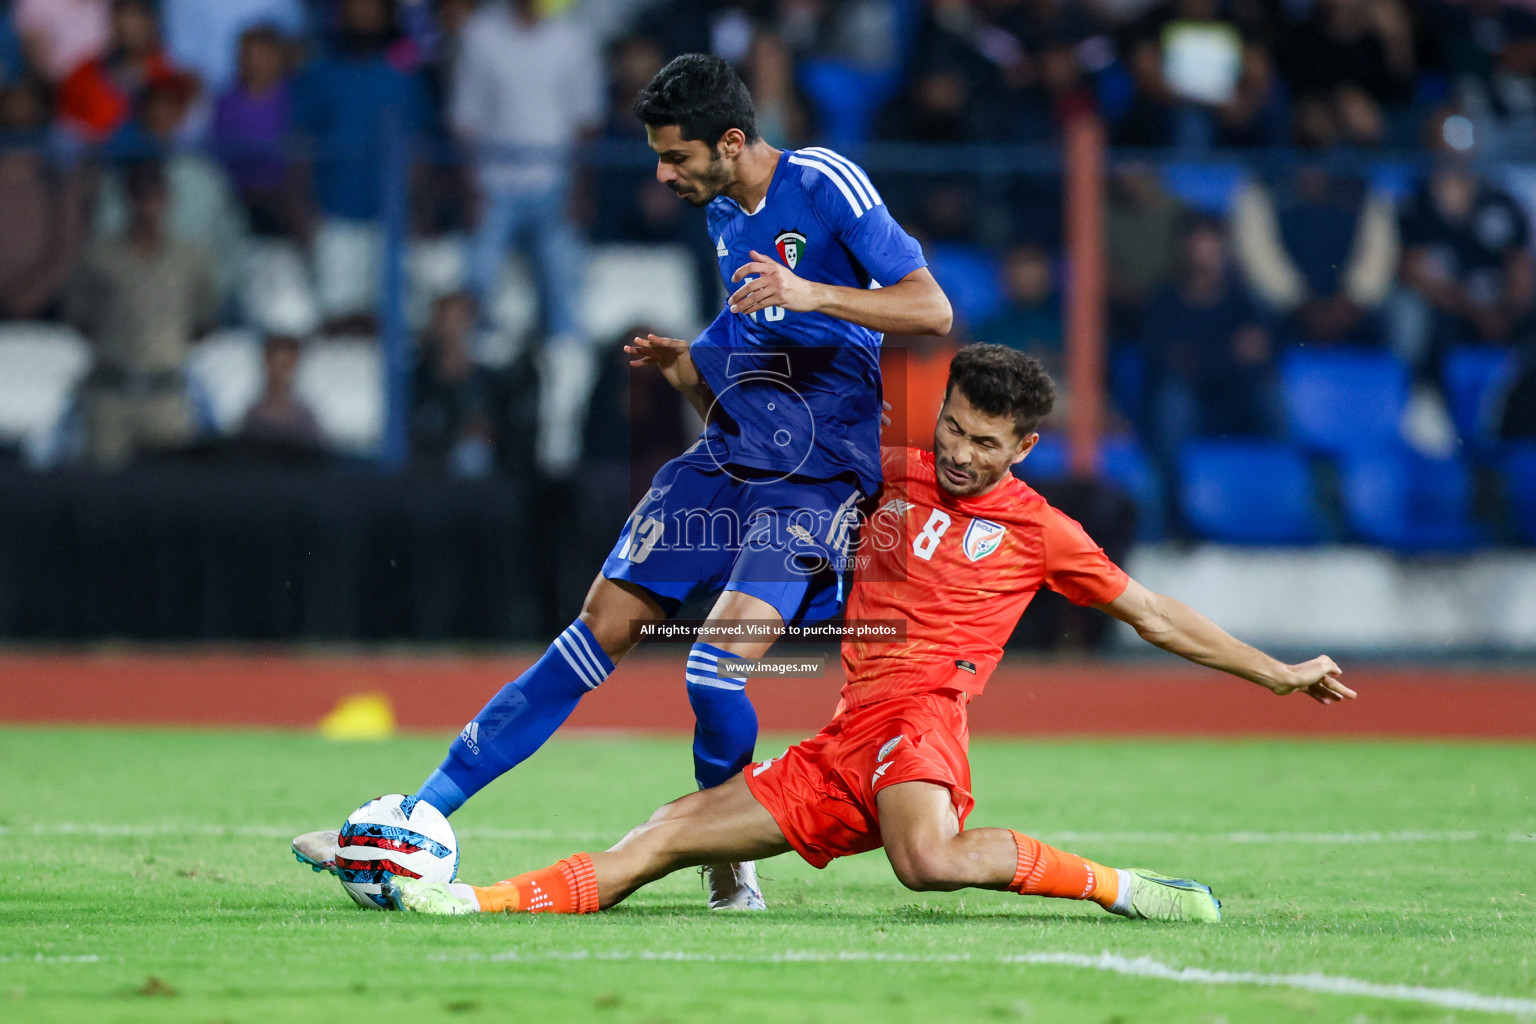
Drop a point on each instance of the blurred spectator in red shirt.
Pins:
(98, 96)
(61, 35)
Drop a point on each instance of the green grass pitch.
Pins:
(146, 876)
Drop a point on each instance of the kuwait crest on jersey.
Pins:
(982, 538)
(791, 246)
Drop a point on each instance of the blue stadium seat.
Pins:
(1128, 379)
(969, 276)
(1123, 462)
(1207, 187)
(1346, 402)
(846, 99)
(1049, 461)
(1248, 492)
(1402, 500)
(1472, 373)
(1397, 180)
(1520, 477)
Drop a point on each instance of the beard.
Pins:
(710, 183)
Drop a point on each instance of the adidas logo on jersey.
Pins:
(896, 507)
(721, 251)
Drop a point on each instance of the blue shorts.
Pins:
(704, 527)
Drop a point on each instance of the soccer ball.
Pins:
(394, 835)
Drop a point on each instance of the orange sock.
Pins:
(1046, 871)
(565, 887)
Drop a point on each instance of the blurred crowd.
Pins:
(169, 167)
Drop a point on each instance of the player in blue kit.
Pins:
(759, 508)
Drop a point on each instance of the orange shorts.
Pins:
(822, 792)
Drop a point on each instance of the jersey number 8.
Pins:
(924, 543)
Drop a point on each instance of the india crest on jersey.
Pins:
(982, 538)
(791, 246)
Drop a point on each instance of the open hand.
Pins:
(774, 285)
(670, 354)
(1318, 679)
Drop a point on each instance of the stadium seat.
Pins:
(969, 276)
(1343, 402)
(276, 292)
(640, 284)
(224, 375)
(1123, 462)
(846, 98)
(1050, 460)
(1396, 180)
(1405, 501)
(1248, 492)
(515, 306)
(1472, 374)
(40, 367)
(1207, 187)
(1128, 379)
(343, 382)
(1519, 465)
(434, 267)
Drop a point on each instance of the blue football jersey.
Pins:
(799, 393)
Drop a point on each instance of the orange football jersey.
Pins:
(960, 571)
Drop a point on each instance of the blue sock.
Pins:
(517, 721)
(726, 729)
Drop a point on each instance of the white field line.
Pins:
(538, 835)
(1114, 963)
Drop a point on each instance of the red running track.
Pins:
(1024, 698)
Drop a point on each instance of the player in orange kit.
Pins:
(958, 546)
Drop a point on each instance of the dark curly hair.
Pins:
(1001, 381)
(702, 95)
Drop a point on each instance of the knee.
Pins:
(923, 869)
(682, 807)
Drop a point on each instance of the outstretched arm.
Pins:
(671, 356)
(914, 305)
(1174, 626)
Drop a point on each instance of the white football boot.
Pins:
(318, 849)
(734, 887)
